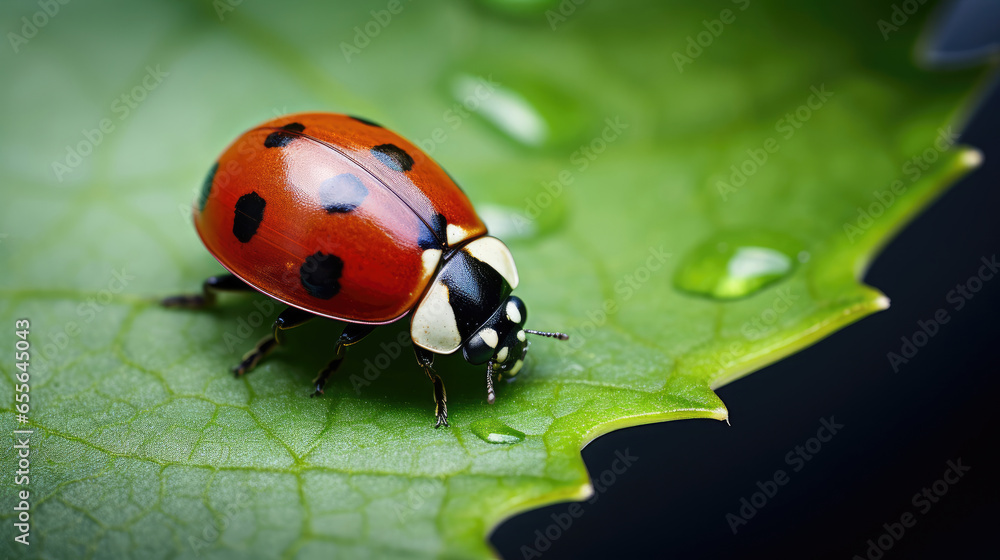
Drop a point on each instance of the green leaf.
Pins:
(608, 162)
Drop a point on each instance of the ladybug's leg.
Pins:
(353, 334)
(491, 396)
(221, 283)
(290, 318)
(426, 359)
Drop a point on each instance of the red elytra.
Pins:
(312, 187)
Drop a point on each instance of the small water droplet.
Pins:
(736, 264)
(504, 108)
(506, 223)
(518, 207)
(533, 111)
(492, 430)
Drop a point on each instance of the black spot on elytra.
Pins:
(342, 193)
(320, 275)
(206, 187)
(248, 215)
(281, 138)
(366, 121)
(393, 157)
(437, 236)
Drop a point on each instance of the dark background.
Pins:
(900, 428)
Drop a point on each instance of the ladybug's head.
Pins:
(502, 342)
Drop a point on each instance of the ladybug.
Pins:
(340, 218)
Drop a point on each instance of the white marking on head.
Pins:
(430, 259)
(490, 337)
(513, 314)
(502, 354)
(494, 253)
(433, 326)
(517, 367)
(455, 234)
(520, 336)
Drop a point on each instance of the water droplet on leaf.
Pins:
(492, 430)
(531, 110)
(736, 264)
(504, 108)
(507, 223)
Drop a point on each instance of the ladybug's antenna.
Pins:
(557, 335)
